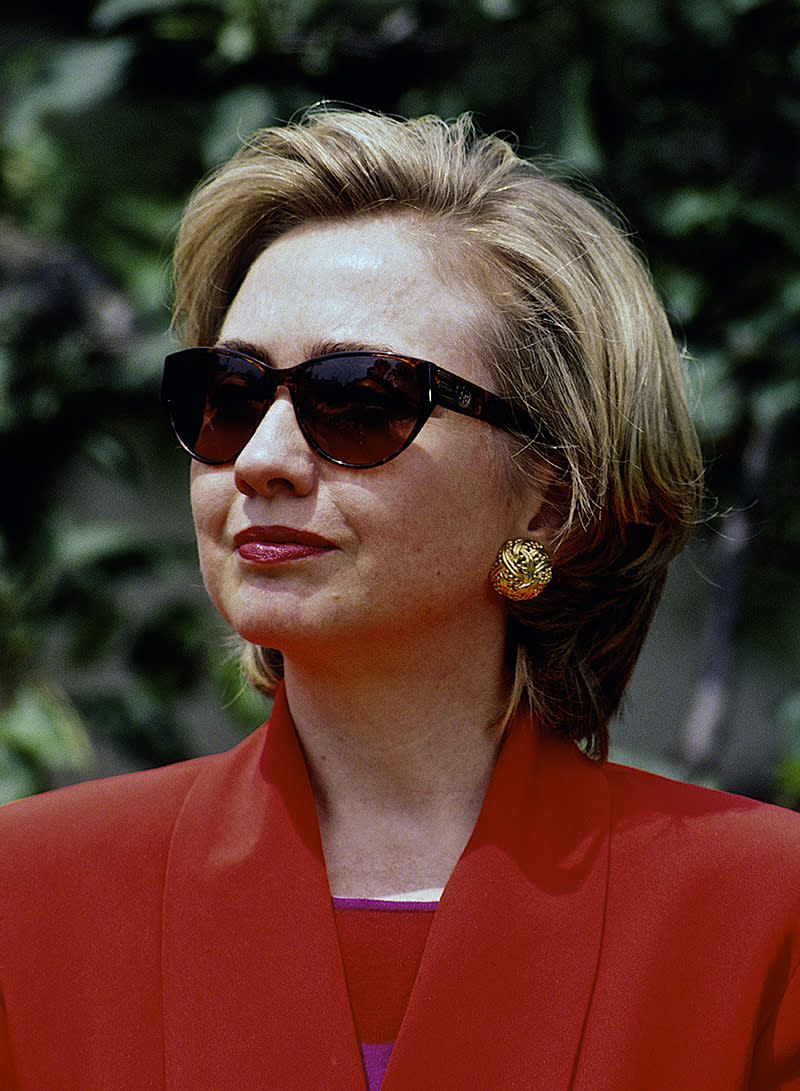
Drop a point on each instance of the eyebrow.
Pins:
(246, 348)
(316, 348)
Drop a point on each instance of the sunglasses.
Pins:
(356, 409)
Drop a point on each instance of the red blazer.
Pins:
(604, 929)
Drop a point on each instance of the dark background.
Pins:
(684, 113)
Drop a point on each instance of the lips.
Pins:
(278, 544)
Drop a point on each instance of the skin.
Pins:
(392, 639)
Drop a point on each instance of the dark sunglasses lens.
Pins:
(216, 402)
(358, 410)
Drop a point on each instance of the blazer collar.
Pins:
(254, 989)
(505, 983)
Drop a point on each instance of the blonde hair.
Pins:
(577, 337)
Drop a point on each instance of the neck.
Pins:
(399, 761)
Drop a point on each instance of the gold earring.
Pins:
(521, 570)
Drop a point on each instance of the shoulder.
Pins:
(85, 865)
(129, 816)
(111, 825)
(705, 835)
(94, 808)
(648, 798)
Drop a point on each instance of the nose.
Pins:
(276, 456)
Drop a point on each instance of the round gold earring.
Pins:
(521, 570)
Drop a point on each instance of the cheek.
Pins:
(211, 495)
(451, 525)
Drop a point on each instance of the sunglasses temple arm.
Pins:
(465, 397)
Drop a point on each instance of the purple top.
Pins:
(375, 1055)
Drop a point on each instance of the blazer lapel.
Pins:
(507, 975)
(254, 990)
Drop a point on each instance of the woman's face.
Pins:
(321, 561)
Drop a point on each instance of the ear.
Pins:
(545, 513)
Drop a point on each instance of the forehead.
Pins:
(378, 281)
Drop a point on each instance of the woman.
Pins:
(422, 873)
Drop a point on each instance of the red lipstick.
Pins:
(278, 544)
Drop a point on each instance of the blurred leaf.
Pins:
(72, 76)
(88, 546)
(717, 401)
(500, 9)
(43, 725)
(237, 41)
(788, 772)
(683, 290)
(111, 14)
(776, 400)
(114, 456)
(236, 115)
(18, 777)
(690, 209)
(580, 146)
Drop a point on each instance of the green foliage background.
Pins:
(686, 113)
